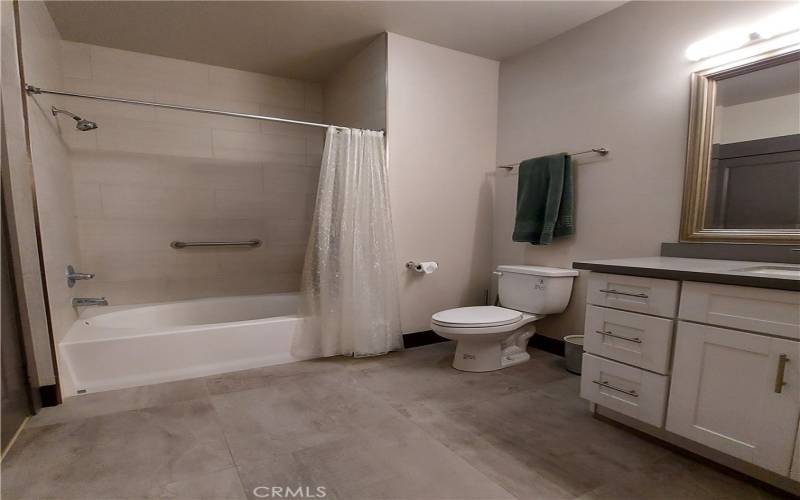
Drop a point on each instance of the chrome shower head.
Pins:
(82, 125)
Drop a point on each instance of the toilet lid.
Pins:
(477, 316)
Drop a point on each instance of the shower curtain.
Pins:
(349, 289)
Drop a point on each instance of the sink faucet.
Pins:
(89, 301)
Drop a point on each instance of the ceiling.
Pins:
(309, 40)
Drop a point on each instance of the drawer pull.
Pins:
(606, 384)
(612, 334)
(779, 381)
(629, 294)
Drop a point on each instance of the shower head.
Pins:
(81, 124)
(84, 125)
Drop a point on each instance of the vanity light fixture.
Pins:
(780, 23)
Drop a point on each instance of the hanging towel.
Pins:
(544, 200)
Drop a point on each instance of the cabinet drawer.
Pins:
(634, 293)
(636, 339)
(760, 310)
(631, 391)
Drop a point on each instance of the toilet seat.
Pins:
(476, 317)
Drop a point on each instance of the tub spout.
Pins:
(89, 301)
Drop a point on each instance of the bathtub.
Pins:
(126, 346)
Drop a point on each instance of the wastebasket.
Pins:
(573, 353)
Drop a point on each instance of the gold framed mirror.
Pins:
(743, 156)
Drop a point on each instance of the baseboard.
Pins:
(418, 339)
(49, 395)
(549, 344)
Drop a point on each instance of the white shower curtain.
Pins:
(349, 289)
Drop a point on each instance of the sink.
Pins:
(777, 271)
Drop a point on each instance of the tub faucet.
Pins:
(89, 301)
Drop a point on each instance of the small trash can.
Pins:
(573, 353)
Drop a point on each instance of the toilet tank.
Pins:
(535, 289)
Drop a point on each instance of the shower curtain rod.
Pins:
(30, 89)
(601, 151)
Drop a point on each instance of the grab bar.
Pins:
(184, 244)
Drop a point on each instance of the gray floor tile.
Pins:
(382, 463)
(134, 398)
(296, 413)
(433, 380)
(220, 485)
(546, 434)
(115, 456)
(260, 377)
(402, 426)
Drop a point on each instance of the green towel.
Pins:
(544, 200)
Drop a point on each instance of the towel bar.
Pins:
(601, 151)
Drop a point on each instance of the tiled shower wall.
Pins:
(149, 176)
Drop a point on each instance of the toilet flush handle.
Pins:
(497, 273)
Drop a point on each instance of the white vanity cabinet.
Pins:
(713, 363)
(736, 392)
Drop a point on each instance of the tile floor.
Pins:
(403, 426)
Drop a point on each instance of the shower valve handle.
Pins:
(73, 276)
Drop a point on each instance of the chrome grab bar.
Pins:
(603, 383)
(185, 244)
(629, 294)
(612, 334)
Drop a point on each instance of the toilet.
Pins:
(489, 337)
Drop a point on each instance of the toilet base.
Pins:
(491, 355)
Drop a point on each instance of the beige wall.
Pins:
(355, 96)
(17, 179)
(52, 173)
(620, 81)
(442, 118)
(149, 176)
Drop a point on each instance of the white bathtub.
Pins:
(116, 347)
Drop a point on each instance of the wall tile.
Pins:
(76, 60)
(88, 201)
(156, 202)
(148, 137)
(236, 84)
(313, 97)
(167, 73)
(149, 176)
(290, 179)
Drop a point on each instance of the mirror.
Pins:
(743, 162)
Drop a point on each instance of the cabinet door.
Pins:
(725, 393)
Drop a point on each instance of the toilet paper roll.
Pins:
(426, 267)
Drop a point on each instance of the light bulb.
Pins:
(785, 21)
(716, 44)
(782, 22)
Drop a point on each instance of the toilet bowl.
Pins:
(490, 337)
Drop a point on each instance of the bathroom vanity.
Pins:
(704, 354)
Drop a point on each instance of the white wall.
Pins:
(762, 119)
(619, 81)
(355, 95)
(441, 123)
